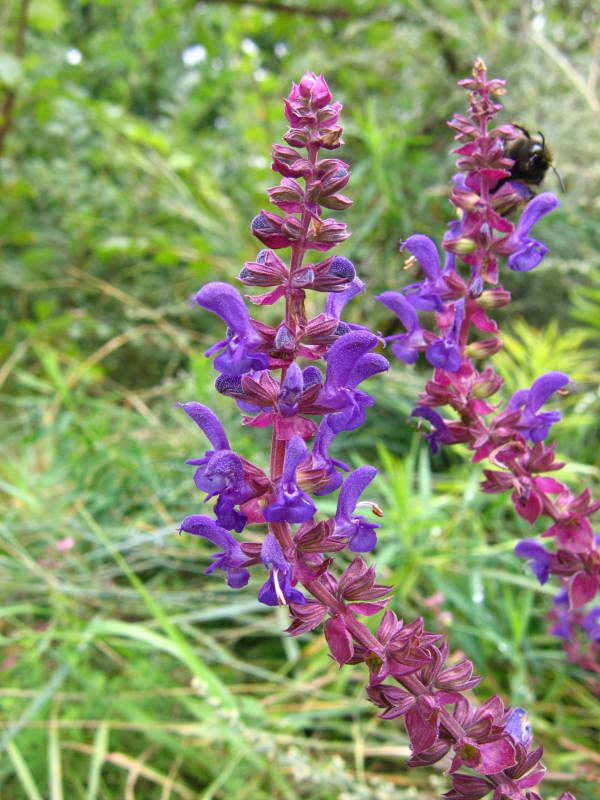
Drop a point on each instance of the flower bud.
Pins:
(324, 234)
(289, 195)
(342, 268)
(297, 111)
(342, 329)
(465, 200)
(315, 90)
(289, 162)
(267, 270)
(511, 196)
(311, 376)
(332, 139)
(333, 175)
(292, 228)
(320, 330)
(486, 384)
(470, 787)
(303, 279)
(291, 389)
(268, 228)
(328, 116)
(230, 385)
(296, 137)
(484, 348)
(336, 202)
(457, 678)
(306, 84)
(284, 339)
(462, 246)
(496, 297)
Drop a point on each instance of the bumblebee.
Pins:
(532, 157)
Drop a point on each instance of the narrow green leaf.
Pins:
(23, 773)
(98, 756)
(54, 763)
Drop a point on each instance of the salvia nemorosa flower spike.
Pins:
(510, 437)
(307, 407)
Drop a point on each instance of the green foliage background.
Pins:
(128, 178)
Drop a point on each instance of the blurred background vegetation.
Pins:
(135, 141)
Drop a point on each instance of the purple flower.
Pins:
(532, 425)
(445, 353)
(220, 471)
(278, 589)
(361, 534)
(426, 295)
(439, 433)
(530, 252)
(349, 362)
(539, 558)
(292, 504)
(240, 347)
(230, 560)
(519, 727)
(405, 345)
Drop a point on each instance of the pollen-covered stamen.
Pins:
(278, 590)
(410, 262)
(375, 509)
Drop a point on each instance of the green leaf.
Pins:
(23, 773)
(98, 756)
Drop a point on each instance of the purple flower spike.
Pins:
(292, 504)
(405, 345)
(361, 534)
(519, 727)
(239, 355)
(539, 558)
(440, 433)
(530, 252)
(532, 425)
(230, 560)
(445, 353)
(278, 589)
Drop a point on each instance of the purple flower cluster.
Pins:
(512, 437)
(306, 407)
